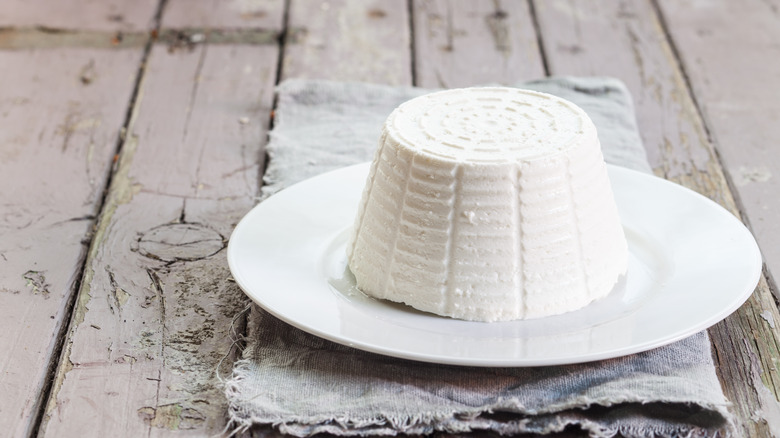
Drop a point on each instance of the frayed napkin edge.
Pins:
(241, 420)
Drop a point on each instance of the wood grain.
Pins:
(59, 132)
(626, 40)
(153, 318)
(221, 14)
(83, 15)
(731, 56)
(464, 43)
(349, 40)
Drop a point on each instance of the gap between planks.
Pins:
(767, 281)
(539, 37)
(743, 205)
(44, 38)
(126, 151)
(60, 354)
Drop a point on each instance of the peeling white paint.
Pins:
(767, 315)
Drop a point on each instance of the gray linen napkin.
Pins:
(304, 385)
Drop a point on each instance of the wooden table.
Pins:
(131, 142)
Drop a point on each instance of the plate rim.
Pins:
(751, 278)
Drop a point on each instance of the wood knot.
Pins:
(180, 242)
(377, 13)
(500, 15)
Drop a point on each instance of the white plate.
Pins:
(691, 264)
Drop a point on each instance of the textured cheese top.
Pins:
(494, 124)
(488, 204)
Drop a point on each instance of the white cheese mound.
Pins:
(488, 204)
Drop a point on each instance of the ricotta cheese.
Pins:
(488, 204)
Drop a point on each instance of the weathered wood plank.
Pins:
(220, 14)
(349, 40)
(731, 56)
(154, 312)
(626, 40)
(111, 15)
(623, 39)
(464, 43)
(60, 126)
